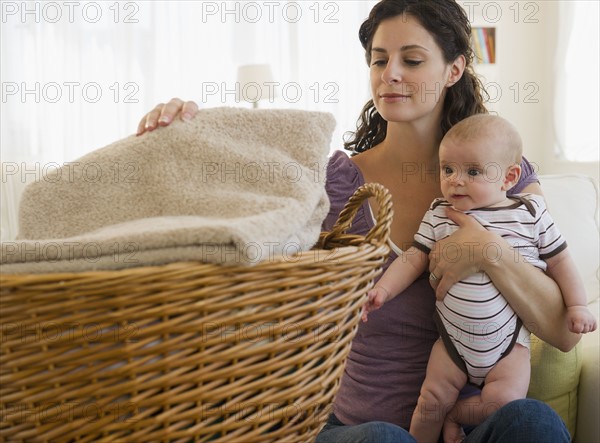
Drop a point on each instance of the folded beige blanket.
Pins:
(231, 186)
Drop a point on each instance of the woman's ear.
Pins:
(456, 70)
(512, 176)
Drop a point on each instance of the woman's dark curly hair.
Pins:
(448, 23)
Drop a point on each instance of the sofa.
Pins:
(568, 382)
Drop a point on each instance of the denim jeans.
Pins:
(521, 421)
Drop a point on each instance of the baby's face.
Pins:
(472, 173)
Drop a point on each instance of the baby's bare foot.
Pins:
(452, 431)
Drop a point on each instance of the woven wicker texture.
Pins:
(187, 351)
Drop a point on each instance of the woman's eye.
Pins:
(411, 62)
(379, 63)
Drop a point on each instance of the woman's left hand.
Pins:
(461, 254)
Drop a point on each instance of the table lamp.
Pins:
(256, 83)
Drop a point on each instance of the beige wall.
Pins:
(522, 82)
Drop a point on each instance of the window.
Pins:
(577, 95)
(77, 76)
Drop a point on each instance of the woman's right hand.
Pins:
(164, 114)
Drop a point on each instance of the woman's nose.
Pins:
(392, 73)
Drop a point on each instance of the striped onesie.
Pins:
(475, 321)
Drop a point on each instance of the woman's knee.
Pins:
(522, 420)
(371, 432)
(529, 410)
(389, 433)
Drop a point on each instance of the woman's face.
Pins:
(408, 72)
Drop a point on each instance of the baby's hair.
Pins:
(492, 128)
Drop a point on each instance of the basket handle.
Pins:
(380, 233)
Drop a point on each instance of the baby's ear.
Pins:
(511, 177)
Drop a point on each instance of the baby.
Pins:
(482, 342)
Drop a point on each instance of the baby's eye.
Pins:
(473, 172)
(448, 170)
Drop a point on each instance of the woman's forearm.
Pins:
(534, 296)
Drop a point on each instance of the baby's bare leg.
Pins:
(439, 392)
(507, 381)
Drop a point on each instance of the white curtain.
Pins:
(79, 75)
(577, 98)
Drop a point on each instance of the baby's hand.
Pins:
(580, 319)
(376, 298)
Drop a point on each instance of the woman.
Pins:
(422, 83)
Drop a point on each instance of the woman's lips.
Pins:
(394, 98)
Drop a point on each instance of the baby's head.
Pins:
(496, 137)
(480, 160)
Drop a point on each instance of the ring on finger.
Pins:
(433, 277)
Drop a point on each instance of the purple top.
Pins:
(386, 365)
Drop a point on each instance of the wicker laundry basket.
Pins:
(187, 351)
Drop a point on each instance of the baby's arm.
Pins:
(402, 272)
(561, 268)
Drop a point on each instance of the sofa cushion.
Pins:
(588, 410)
(555, 379)
(573, 202)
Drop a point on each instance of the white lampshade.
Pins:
(256, 83)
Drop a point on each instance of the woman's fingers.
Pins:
(189, 110)
(458, 255)
(463, 220)
(163, 114)
(169, 111)
(149, 121)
